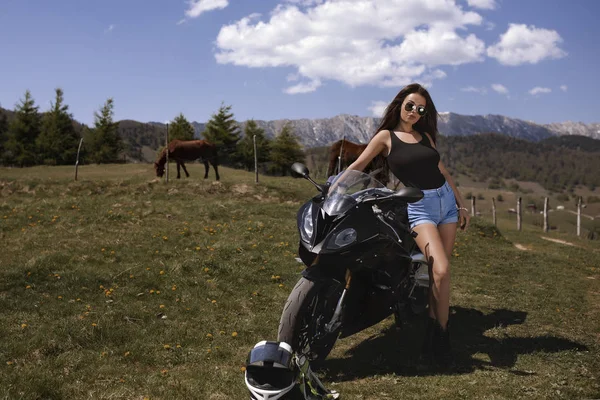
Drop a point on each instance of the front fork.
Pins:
(421, 279)
(336, 320)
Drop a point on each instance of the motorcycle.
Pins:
(361, 263)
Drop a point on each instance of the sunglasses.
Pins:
(410, 106)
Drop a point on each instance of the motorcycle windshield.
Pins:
(346, 190)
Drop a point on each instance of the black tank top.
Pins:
(415, 164)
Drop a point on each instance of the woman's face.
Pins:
(412, 115)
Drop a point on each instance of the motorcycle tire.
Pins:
(308, 308)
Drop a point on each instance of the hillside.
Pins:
(575, 142)
(488, 157)
(517, 149)
(121, 286)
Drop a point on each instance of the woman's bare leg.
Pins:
(430, 242)
(448, 235)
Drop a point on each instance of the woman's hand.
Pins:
(463, 218)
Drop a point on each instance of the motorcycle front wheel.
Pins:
(308, 308)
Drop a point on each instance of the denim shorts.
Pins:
(438, 206)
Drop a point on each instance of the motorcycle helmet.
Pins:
(270, 370)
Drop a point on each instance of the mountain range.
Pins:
(324, 131)
(144, 138)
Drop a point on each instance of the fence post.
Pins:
(340, 156)
(77, 160)
(255, 160)
(546, 227)
(579, 216)
(473, 211)
(494, 210)
(167, 152)
(519, 214)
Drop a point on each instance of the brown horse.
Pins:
(349, 153)
(188, 150)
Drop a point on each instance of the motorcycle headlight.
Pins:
(343, 238)
(307, 228)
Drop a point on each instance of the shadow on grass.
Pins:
(398, 352)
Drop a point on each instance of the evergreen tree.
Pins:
(3, 135)
(245, 147)
(223, 131)
(181, 129)
(23, 132)
(285, 150)
(103, 142)
(58, 141)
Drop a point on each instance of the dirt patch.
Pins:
(216, 187)
(558, 241)
(242, 189)
(521, 247)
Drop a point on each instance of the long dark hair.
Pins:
(427, 123)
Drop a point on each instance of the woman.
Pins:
(407, 137)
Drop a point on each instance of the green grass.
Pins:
(121, 287)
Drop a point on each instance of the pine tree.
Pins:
(103, 142)
(285, 150)
(181, 129)
(3, 135)
(223, 131)
(58, 141)
(23, 132)
(245, 147)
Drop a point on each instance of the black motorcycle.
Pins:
(362, 263)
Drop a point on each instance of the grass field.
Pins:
(121, 287)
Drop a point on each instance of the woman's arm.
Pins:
(380, 142)
(464, 217)
(444, 171)
(463, 213)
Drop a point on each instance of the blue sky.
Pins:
(535, 60)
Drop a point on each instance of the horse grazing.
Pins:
(349, 153)
(182, 151)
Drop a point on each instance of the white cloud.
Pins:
(522, 44)
(499, 88)
(483, 4)
(480, 90)
(489, 26)
(357, 42)
(305, 3)
(304, 87)
(109, 29)
(564, 88)
(537, 90)
(377, 108)
(197, 7)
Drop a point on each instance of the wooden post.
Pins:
(167, 154)
(473, 211)
(579, 216)
(494, 211)
(519, 214)
(546, 226)
(77, 160)
(340, 156)
(255, 160)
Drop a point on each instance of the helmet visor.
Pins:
(270, 354)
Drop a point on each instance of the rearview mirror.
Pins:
(299, 170)
(409, 194)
